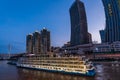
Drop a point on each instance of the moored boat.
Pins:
(70, 65)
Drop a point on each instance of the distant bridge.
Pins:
(10, 56)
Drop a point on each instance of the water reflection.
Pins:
(107, 72)
(26, 74)
(103, 72)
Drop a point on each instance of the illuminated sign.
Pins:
(110, 9)
(118, 3)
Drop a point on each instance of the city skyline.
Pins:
(17, 21)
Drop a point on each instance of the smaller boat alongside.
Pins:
(12, 62)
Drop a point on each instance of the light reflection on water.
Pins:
(40, 75)
(103, 72)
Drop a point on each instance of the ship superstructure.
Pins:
(71, 65)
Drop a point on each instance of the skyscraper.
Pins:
(79, 30)
(102, 34)
(90, 38)
(36, 42)
(45, 39)
(112, 12)
(29, 43)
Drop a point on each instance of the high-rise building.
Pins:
(90, 38)
(36, 42)
(45, 39)
(102, 35)
(29, 43)
(112, 12)
(79, 30)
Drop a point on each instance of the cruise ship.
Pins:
(75, 65)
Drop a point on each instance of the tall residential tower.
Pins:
(112, 13)
(45, 39)
(29, 43)
(38, 42)
(79, 30)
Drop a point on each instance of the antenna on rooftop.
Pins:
(44, 27)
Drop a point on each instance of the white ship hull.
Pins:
(64, 71)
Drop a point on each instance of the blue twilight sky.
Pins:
(20, 17)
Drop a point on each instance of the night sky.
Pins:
(21, 17)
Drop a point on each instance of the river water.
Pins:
(104, 71)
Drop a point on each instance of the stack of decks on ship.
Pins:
(68, 64)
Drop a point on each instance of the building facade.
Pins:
(107, 47)
(78, 49)
(102, 35)
(38, 42)
(102, 48)
(90, 37)
(29, 43)
(112, 12)
(45, 39)
(79, 30)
